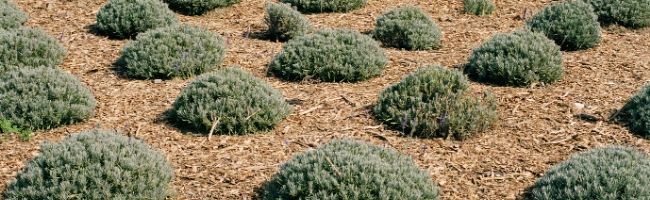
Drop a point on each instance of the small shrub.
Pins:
(43, 98)
(479, 7)
(636, 113)
(94, 165)
(434, 102)
(571, 24)
(127, 18)
(10, 15)
(318, 6)
(330, 55)
(284, 22)
(235, 100)
(629, 13)
(408, 27)
(175, 51)
(26, 47)
(198, 7)
(611, 172)
(345, 169)
(520, 58)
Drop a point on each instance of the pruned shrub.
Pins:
(329, 55)
(94, 165)
(479, 7)
(285, 22)
(346, 169)
(520, 58)
(636, 113)
(43, 98)
(127, 18)
(629, 13)
(319, 6)
(435, 102)
(611, 172)
(571, 24)
(233, 100)
(198, 7)
(10, 15)
(408, 27)
(27, 47)
(175, 51)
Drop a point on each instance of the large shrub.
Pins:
(317, 6)
(518, 59)
(636, 113)
(236, 101)
(345, 169)
(198, 7)
(127, 18)
(284, 22)
(408, 27)
(27, 47)
(571, 24)
(94, 165)
(607, 173)
(629, 13)
(329, 55)
(435, 102)
(43, 98)
(175, 51)
(10, 15)
(479, 7)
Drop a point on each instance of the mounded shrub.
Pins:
(27, 47)
(479, 7)
(435, 102)
(10, 15)
(236, 101)
(331, 56)
(94, 165)
(636, 113)
(629, 13)
(198, 7)
(174, 51)
(319, 6)
(346, 169)
(520, 58)
(612, 172)
(43, 98)
(285, 22)
(408, 27)
(571, 24)
(127, 18)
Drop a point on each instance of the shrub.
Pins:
(94, 165)
(629, 13)
(284, 22)
(408, 27)
(12, 16)
(26, 47)
(236, 101)
(346, 169)
(636, 113)
(175, 51)
(479, 7)
(329, 55)
(611, 172)
(519, 59)
(127, 18)
(571, 24)
(317, 6)
(198, 7)
(43, 98)
(435, 102)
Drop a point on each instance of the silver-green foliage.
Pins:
(435, 102)
(198, 7)
(520, 58)
(10, 15)
(408, 27)
(43, 98)
(606, 173)
(572, 24)
(27, 47)
(479, 7)
(629, 13)
(174, 51)
(127, 18)
(238, 102)
(330, 55)
(318, 6)
(285, 22)
(636, 113)
(94, 165)
(346, 169)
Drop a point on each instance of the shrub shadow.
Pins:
(167, 119)
(93, 29)
(261, 35)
